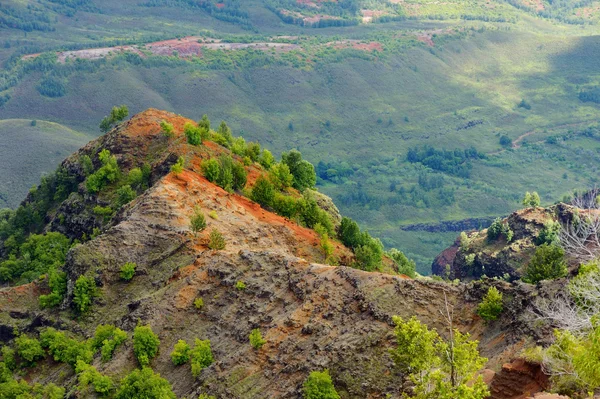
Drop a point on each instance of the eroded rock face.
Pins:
(518, 380)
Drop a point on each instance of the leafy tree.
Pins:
(177, 167)
(256, 339)
(135, 178)
(240, 176)
(263, 192)
(64, 349)
(29, 349)
(57, 282)
(285, 205)
(318, 385)
(549, 233)
(499, 228)
(280, 176)
(8, 357)
(266, 159)
(117, 114)
(216, 240)
(125, 195)
(238, 146)
(253, 151)
(108, 173)
(438, 368)
(531, 199)
(490, 308)
(225, 132)
(303, 171)
(403, 264)
(201, 356)
(198, 221)
(145, 344)
(145, 384)
(211, 170)
(505, 141)
(89, 375)
(86, 165)
(127, 271)
(204, 123)
(167, 129)
(369, 256)
(181, 353)
(547, 263)
(349, 233)
(193, 134)
(84, 293)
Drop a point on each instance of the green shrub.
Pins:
(240, 176)
(369, 257)
(8, 357)
(65, 349)
(403, 264)
(199, 303)
(110, 345)
(285, 205)
(145, 344)
(204, 123)
(547, 263)
(266, 159)
(108, 173)
(125, 195)
(238, 146)
(177, 167)
(349, 233)
(206, 396)
(216, 240)
(84, 293)
(106, 212)
(127, 271)
(136, 178)
(303, 171)
(57, 282)
(499, 228)
(549, 233)
(145, 384)
(86, 164)
(213, 215)
(201, 356)
(193, 134)
(490, 308)
(263, 192)
(531, 199)
(280, 176)
(167, 129)
(211, 170)
(198, 221)
(117, 114)
(181, 353)
(240, 285)
(318, 385)
(89, 375)
(256, 339)
(29, 349)
(253, 151)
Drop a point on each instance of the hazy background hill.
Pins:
(516, 85)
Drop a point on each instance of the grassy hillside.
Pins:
(28, 151)
(353, 98)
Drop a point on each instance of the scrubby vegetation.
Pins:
(437, 367)
(491, 306)
(201, 356)
(318, 385)
(256, 339)
(547, 263)
(145, 344)
(127, 271)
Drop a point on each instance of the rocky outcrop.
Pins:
(498, 258)
(451, 225)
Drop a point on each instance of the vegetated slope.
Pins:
(29, 149)
(268, 276)
(359, 113)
